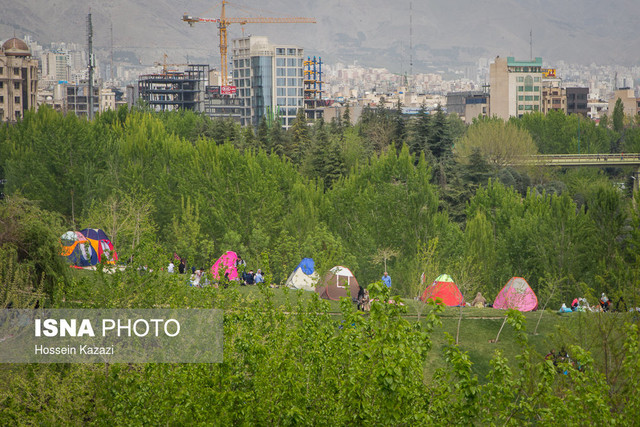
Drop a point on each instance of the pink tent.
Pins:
(225, 264)
(516, 294)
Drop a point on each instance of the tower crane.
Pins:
(224, 21)
(164, 64)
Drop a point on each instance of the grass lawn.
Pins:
(479, 326)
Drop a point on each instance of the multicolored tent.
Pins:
(444, 288)
(516, 294)
(336, 282)
(101, 245)
(77, 249)
(225, 264)
(304, 276)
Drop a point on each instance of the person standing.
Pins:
(386, 279)
(170, 267)
(181, 266)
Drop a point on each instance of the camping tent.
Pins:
(516, 294)
(336, 282)
(101, 244)
(304, 276)
(77, 249)
(445, 288)
(225, 264)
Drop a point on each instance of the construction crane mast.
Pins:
(223, 22)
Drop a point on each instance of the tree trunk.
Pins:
(498, 336)
(459, 321)
(553, 288)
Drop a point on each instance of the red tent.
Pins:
(444, 288)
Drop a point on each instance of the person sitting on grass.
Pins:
(604, 302)
(259, 278)
(249, 278)
(479, 301)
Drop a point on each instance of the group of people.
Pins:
(182, 267)
(247, 277)
(604, 305)
(562, 358)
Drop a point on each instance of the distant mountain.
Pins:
(371, 32)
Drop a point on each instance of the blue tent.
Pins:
(307, 265)
(304, 276)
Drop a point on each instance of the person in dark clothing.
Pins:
(248, 277)
(360, 298)
(181, 267)
(621, 305)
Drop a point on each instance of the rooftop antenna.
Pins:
(111, 73)
(410, 89)
(531, 44)
(90, 67)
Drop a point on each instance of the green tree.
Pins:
(500, 143)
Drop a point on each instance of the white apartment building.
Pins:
(269, 79)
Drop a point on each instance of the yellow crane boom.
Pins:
(164, 64)
(223, 22)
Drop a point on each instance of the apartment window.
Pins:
(281, 72)
(281, 62)
(291, 102)
(1, 70)
(536, 98)
(520, 98)
(528, 107)
(520, 107)
(280, 51)
(16, 71)
(17, 100)
(535, 107)
(520, 88)
(519, 79)
(281, 101)
(281, 91)
(1, 85)
(291, 51)
(536, 88)
(291, 72)
(281, 81)
(528, 98)
(291, 82)
(292, 91)
(1, 99)
(536, 79)
(16, 85)
(291, 62)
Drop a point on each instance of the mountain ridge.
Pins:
(371, 32)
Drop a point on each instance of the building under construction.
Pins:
(174, 90)
(313, 104)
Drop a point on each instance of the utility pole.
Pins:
(90, 42)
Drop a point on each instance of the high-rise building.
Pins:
(269, 80)
(515, 87)
(18, 80)
(55, 66)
